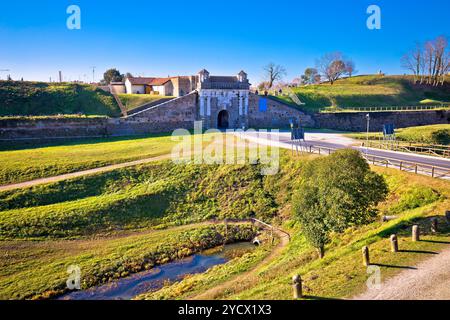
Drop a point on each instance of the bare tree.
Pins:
(430, 63)
(274, 73)
(414, 62)
(332, 66)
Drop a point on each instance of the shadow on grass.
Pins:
(308, 297)
(435, 241)
(392, 266)
(417, 251)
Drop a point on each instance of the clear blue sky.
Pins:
(160, 38)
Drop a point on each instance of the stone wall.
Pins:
(166, 117)
(47, 128)
(277, 115)
(357, 121)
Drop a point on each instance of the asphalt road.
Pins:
(338, 141)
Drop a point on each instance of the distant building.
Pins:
(182, 85)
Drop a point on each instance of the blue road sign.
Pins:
(388, 129)
(262, 104)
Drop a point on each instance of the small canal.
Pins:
(156, 278)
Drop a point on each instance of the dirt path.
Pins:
(245, 278)
(81, 173)
(429, 281)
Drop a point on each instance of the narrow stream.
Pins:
(154, 279)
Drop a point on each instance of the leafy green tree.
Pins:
(335, 193)
(112, 75)
(310, 76)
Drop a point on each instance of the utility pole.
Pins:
(4, 70)
(93, 74)
(368, 130)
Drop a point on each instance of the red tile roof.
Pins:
(140, 81)
(159, 81)
(149, 81)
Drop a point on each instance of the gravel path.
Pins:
(430, 281)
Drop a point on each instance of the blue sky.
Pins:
(160, 38)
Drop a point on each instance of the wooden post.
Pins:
(297, 286)
(415, 233)
(434, 225)
(394, 243)
(366, 257)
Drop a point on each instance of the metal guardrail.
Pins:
(385, 109)
(436, 151)
(407, 166)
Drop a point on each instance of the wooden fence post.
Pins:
(394, 243)
(434, 225)
(415, 233)
(226, 231)
(366, 257)
(297, 286)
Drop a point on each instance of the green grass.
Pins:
(44, 99)
(131, 101)
(433, 135)
(155, 195)
(101, 223)
(28, 164)
(368, 91)
(32, 270)
(340, 274)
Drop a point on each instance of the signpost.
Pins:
(389, 134)
(297, 136)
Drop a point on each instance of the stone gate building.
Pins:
(223, 102)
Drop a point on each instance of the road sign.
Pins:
(388, 129)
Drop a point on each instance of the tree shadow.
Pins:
(392, 266)
(435, 241)
(417, 251)
(308, 297)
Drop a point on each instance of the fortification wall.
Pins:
(277, 115)
(357, 121)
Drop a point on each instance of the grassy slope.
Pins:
(341, 273)
(41, 99)
(434, 134)
(131, 101)
(370, 91)
(28, 164)
(132, 198)
(159, 194)
(39, 269)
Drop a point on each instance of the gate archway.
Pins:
(223, 120)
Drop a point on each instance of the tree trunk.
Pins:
(321, 252)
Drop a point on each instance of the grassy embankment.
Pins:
(102, 222)
(414, 199)
(131, 101)
(38, 269)
(369, 91)
(66, 157)
(47, 99)
(39, 224)
(431, 135)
